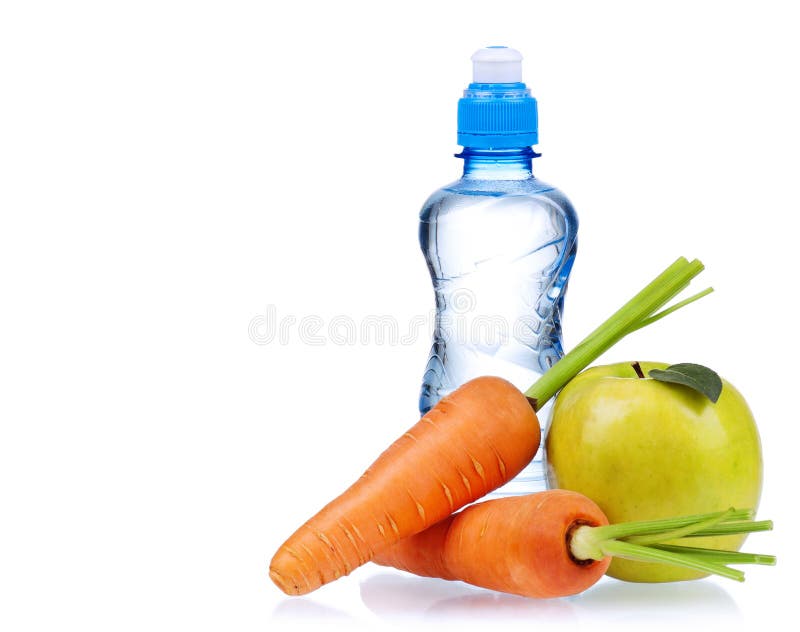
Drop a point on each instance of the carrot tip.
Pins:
(281, 583)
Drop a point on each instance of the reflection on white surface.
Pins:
(396, 597)
(304, 609)
(667, 604)
(393, 597)
(380, 598)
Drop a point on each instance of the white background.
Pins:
(170, 170)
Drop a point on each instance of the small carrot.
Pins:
(516, 545)
(473, 441)
(557, 543)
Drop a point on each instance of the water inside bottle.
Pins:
(499, 255)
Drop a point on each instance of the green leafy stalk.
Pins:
(635, 314)
(733, 528)
(682, 532)
(662, 525)
(645, 541)
(637, 552)
(669, 310)
(721, 557)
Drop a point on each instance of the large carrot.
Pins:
(556, 543)
(421, 478)
(473, 441)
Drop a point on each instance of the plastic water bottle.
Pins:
(499, 244)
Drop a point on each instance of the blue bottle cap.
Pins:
(497, 110)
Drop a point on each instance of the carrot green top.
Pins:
(640, 311)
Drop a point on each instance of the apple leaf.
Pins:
(700, 378)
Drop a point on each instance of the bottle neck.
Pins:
(498, 164)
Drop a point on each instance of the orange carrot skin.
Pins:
(422, 553)
(516, 545)
(473, 441)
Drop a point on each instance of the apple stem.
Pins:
(644, 541)
(638, 368)
(639, 312)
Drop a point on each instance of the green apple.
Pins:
(644, 449)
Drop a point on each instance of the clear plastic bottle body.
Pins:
(500, 245)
